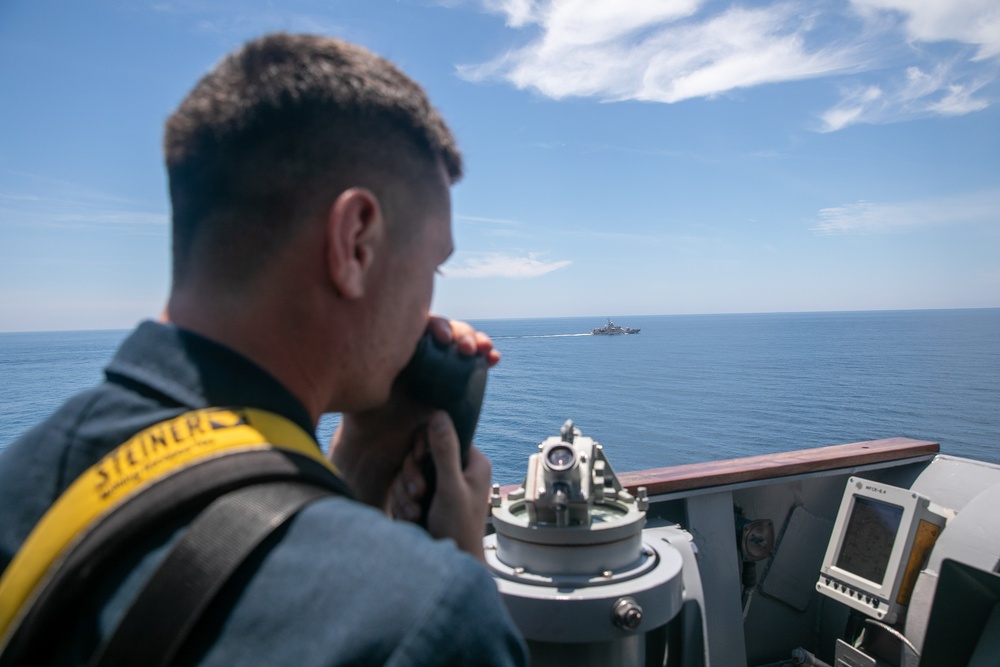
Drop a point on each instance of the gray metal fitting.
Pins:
(627, 614)
(642, 502)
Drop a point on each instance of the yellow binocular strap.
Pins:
(148, 457)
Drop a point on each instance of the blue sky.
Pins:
(624, 157)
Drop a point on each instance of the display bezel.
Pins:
(867, 491)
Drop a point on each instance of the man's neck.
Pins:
(269, 341)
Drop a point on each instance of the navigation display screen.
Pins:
(871, 532)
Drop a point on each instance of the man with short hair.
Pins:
(309, 182)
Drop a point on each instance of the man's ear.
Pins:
(355, 228)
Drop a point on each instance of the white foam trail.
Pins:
(542, 336)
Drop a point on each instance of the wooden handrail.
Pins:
(768, 466)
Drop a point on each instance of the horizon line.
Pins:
(576, 317)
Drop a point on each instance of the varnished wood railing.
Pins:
(691, 476)
(767, 466)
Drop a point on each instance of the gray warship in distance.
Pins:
(612, 329)
(882, 553)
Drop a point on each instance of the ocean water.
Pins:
(689, 388)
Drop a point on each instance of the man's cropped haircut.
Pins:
(276, 131)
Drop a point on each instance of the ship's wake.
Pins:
(567, 335)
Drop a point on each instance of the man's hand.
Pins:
(459, 506)
(370, 447)
(466, 339)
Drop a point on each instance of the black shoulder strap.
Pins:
(218, 541)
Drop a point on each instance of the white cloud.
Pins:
(480, 219)
(864, 217)
(655, 51)
(914, 95)
(582, 22)
(59, 215)
(17, 196)
(119, 217)
(975, 22)
(497, 265)
(673, 51)
(851, 108)
(518, 12)
(740, 48)
(53, 203)
(958, 100)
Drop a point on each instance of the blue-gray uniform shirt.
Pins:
(345, 585)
